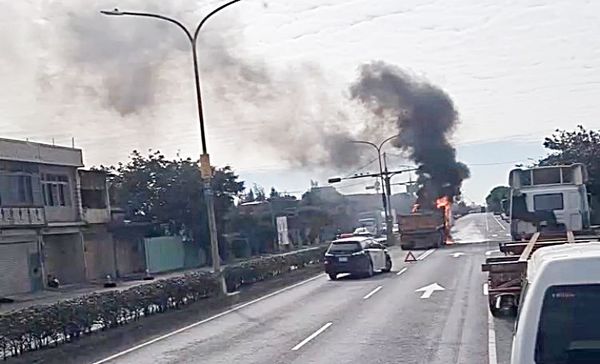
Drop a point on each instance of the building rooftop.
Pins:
(26, 151)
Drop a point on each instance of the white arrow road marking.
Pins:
(428, 290)
(457, 254)
(372, 292)
(402, 271)
(312, 336)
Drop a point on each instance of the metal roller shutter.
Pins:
(14, 268)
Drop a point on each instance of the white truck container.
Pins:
(548, 197)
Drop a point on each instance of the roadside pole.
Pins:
(388, 191)
(206, 175)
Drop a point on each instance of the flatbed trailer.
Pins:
(506, 274)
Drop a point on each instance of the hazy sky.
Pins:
(276, 73)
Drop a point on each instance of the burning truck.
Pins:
(425, 118)
(426, 228)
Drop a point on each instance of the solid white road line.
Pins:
(236, 308)
(426, 254)
(487, 225)
(492, 355)
(499, 223)
(402, 271)
(485, 289)
(312, 336)
(372, 292)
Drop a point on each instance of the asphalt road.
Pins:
(389, 318)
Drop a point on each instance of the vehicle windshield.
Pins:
(345, 247)
(568, 329)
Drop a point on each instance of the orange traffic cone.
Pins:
(410, 257)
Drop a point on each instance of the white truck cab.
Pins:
(554, 195)
(558, 320)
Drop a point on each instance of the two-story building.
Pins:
(52, 218)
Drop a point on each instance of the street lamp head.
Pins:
(115, 11)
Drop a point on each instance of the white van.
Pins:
(559, 315)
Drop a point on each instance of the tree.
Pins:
(259, 193)
(155, 189)
(274, 193)
(249, 197)
(578, 146)
(313, 219)
(495, 197)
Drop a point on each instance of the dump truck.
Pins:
(422, 230)
(548, 207)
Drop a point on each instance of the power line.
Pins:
(350, 185)
(363, 167)
(494, 163)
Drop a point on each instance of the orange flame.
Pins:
(446, 204)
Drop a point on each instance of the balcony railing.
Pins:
(22, 216)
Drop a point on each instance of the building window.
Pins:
(16, 190)
(56, 190)
(93, 199)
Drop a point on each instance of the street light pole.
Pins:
(383, 198)
(384, 182)
(205, 167)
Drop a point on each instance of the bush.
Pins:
(37, 327)
(263, 268)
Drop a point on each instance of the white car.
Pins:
(362, 231)
(558, 318)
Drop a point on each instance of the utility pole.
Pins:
(205, 167)
(388, 190)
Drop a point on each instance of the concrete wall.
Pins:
(96, 216)
(99, 252)
(130, 255)
(17, 150)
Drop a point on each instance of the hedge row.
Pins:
(256, 270)
(37, 327)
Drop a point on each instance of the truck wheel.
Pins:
(494, 311)
(333, 276)
(388, 264)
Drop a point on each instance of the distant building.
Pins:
(327, 194)
(53, 218)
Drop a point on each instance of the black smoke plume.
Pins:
(425, 117)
